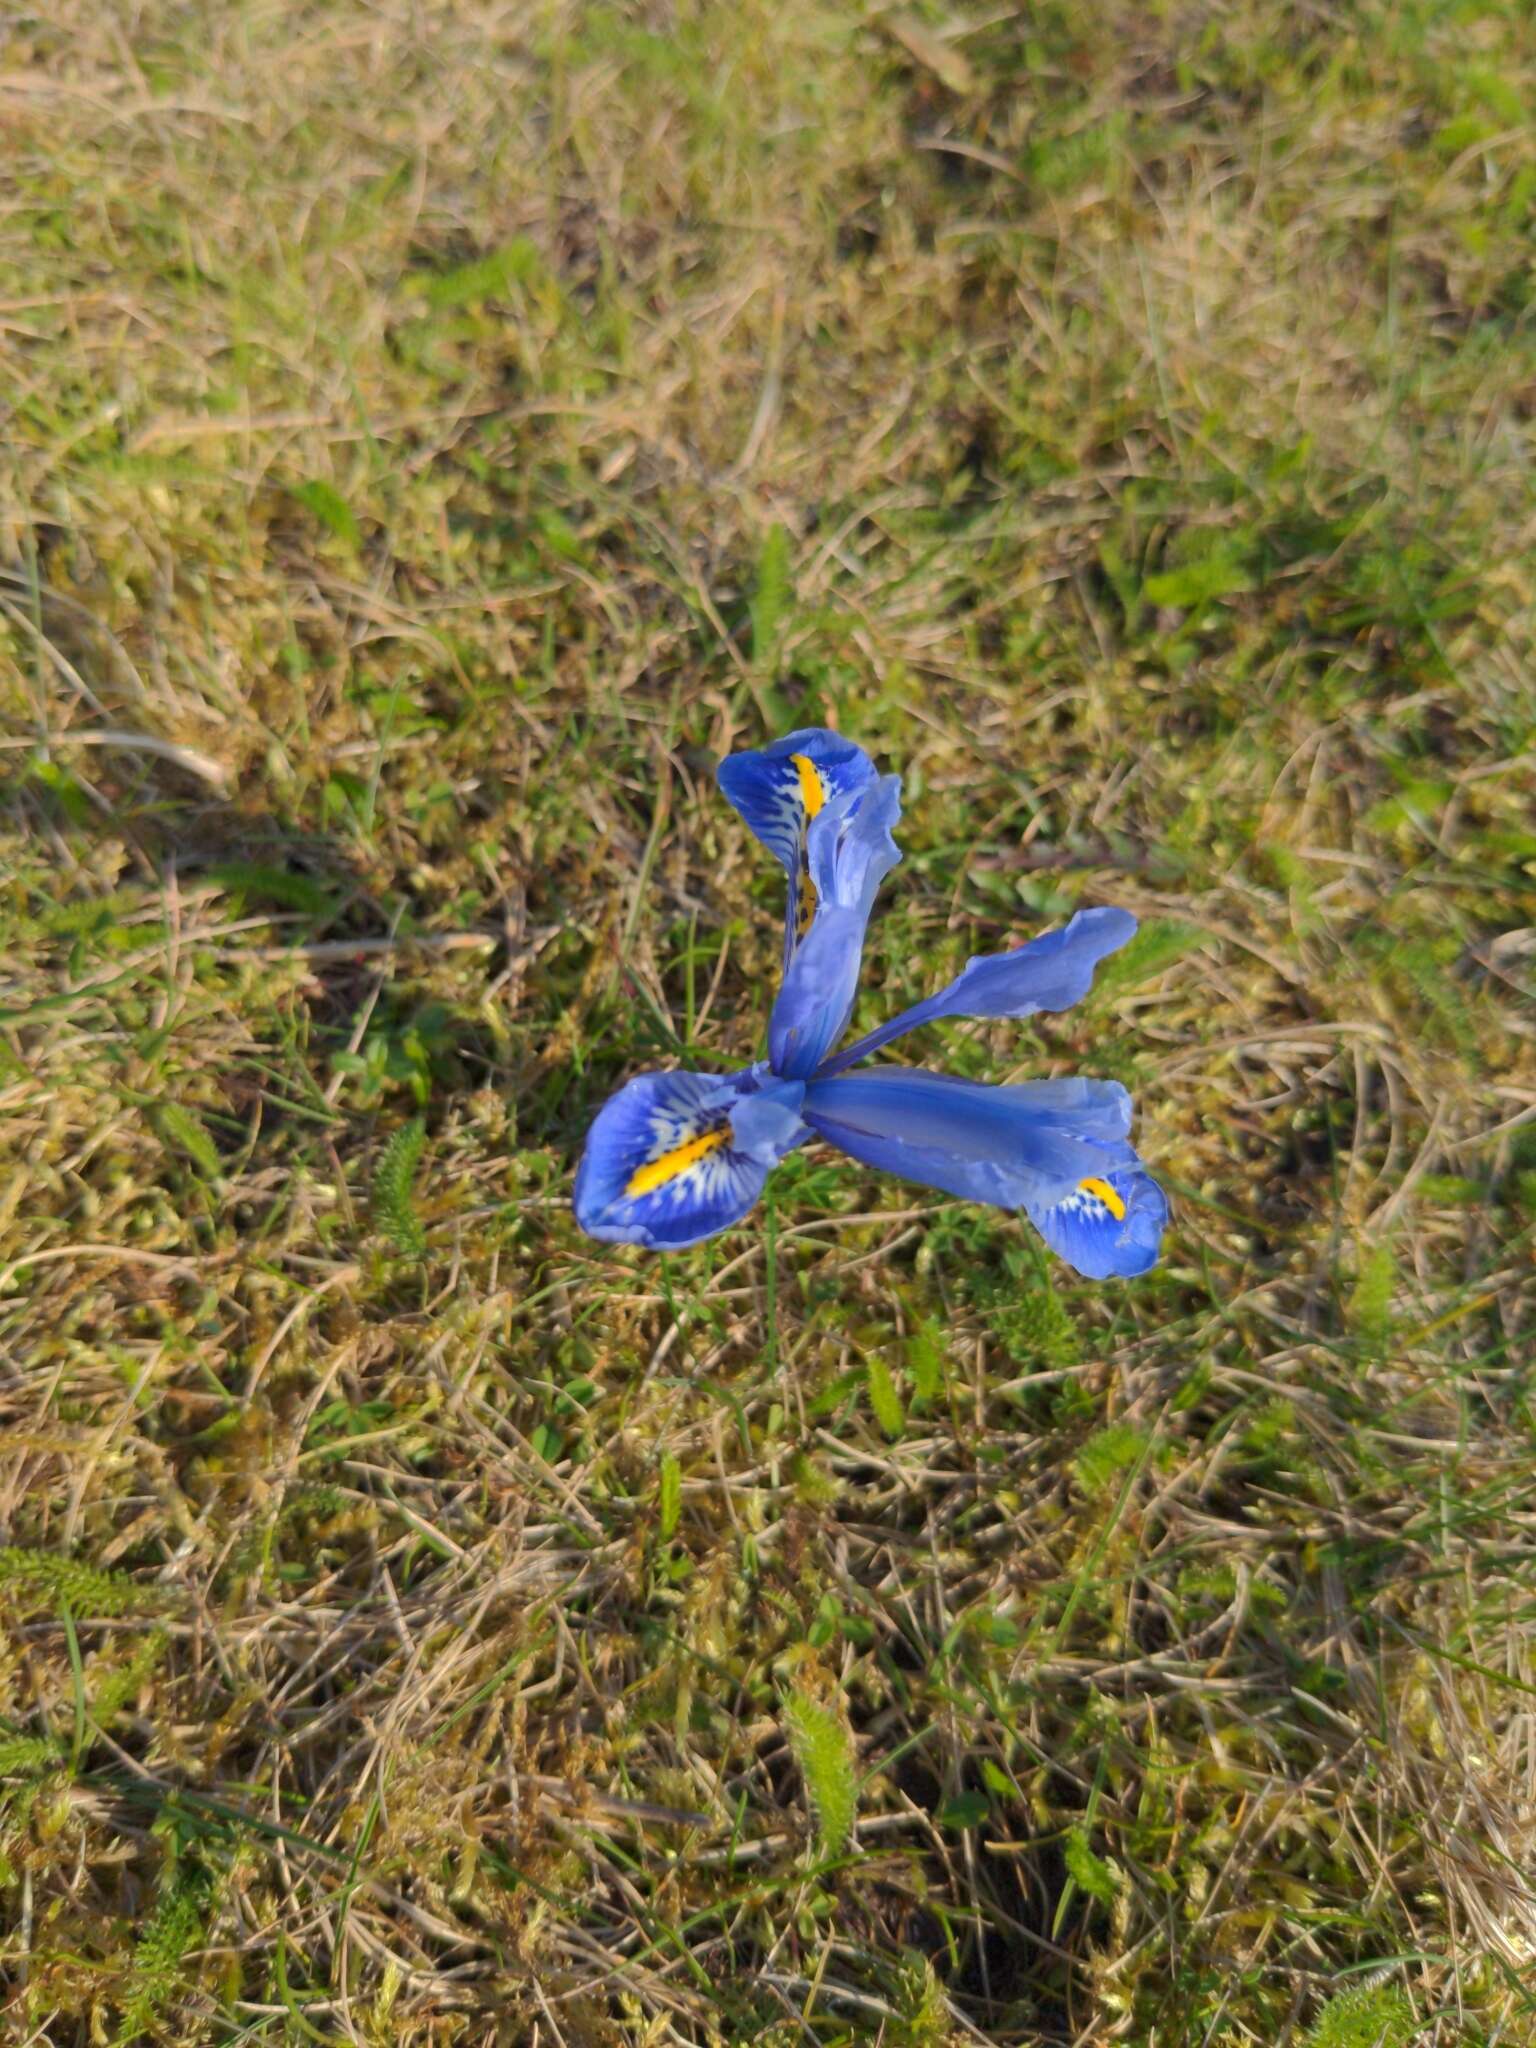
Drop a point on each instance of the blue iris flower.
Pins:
(673, 1158)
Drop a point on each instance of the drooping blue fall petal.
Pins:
(1050, 973)
(1056, 1149)
(779, 790)
(849, 849)
(672, 1158)
(1111, 1226)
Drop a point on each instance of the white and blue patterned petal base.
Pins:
(674, 1158)
(769, 787)
(1111, 1225)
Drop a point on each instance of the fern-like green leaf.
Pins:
(883, 1397)
(393, 1210)
(244, 878)
(824, 1751)
(331, 509)
(174, 1929)
(25, 1756)
(90, 918)
(773, 597)
(1370, 1305)
(1365, 2016)
(115, 1689)
(927, 1360)
(68, 1582)
(518, 262)
(1035, 1327)
(670, 1506)
(1153, 950)
(1089, 1872)
(1107, 1455)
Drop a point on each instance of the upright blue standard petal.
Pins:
(673, 1158)
(1056, 1149)
(849, 850)
(1051, 973)
(777, 789)
(780, 790)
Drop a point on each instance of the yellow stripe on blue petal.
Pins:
(813, 795)
(1103, 1192)
(657, 1172)
(805, 903)
(813, 791)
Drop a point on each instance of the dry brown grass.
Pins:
(422, 1625)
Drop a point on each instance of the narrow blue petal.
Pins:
(673, 1158)
(1056, 1149)
(780, 791)
(849, 850)
(1051, 973)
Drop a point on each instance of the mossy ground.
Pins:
(433, 433)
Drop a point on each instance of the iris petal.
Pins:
(779, 790)
(673, 1158)
(849, 850)
(1056, 1149)
(770, 789)
(1111, 1225)
(1030, 1144)
(1051, 973)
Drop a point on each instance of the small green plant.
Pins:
(331, 509)
(1088, 1871)
(116, 1689)
(1364, 2016)
(85, 1589)
(187, 1133)
(1370, 1305)
(927, 1360)
(174, 1929)
(26, 1764)
(773, 597)
(393, 1209)
(669, 1506)
(23, 1756)
(884, 1399)
(1108, 1455)
(823, 1748)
